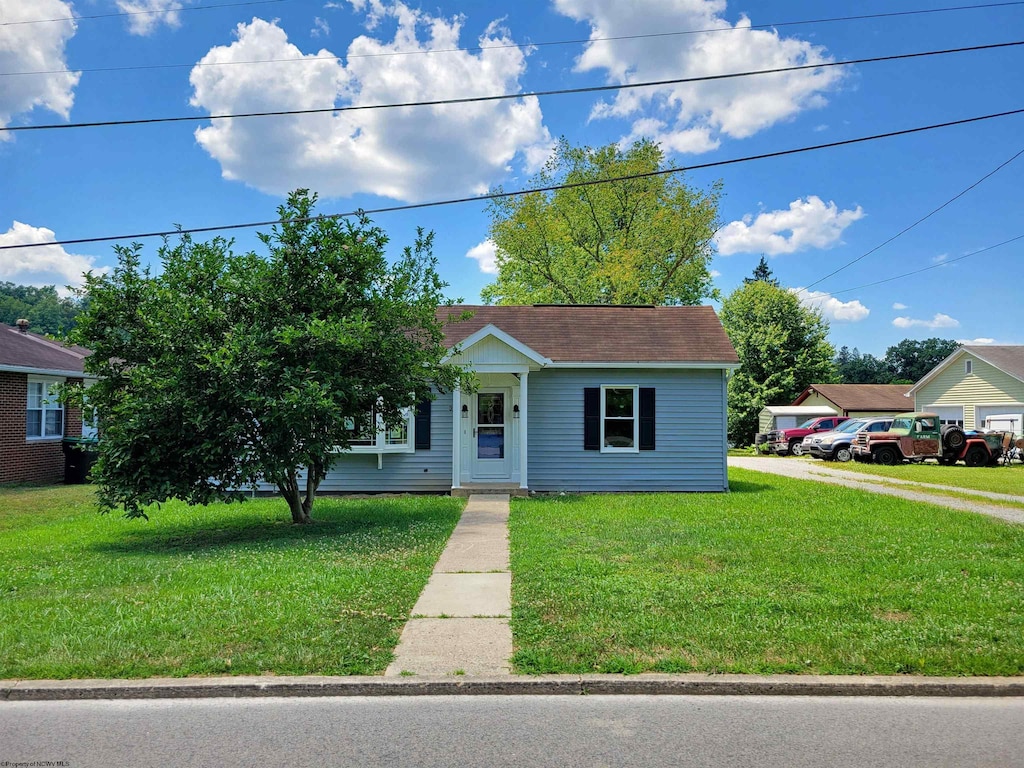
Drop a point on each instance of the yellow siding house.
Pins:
(973, 383)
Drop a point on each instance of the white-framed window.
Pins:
(44, 414)
(378, 439)
(620, 418)
(968, 366)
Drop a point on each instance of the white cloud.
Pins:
(941, 258)
(33, 48)
(692, 117)
(939, 321)
(413, 154)
(832, 308)
(898, 307)
(974, 342)
(806, 224)
(148, 15)
(715, 273)
(45, 265)
(320, 27)
(485, 255)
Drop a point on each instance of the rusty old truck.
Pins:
(918, 436)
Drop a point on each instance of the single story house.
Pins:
(569, 398)
(972, 383)
(32, 422)
(858, 400)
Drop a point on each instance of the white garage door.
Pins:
(948, 414)
(983, 411)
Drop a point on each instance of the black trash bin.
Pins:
(79, 456)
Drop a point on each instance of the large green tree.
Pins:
(854, 367)
(783, 348)
(46, 310)
(910, 360)
(223, 369)
(646, 239)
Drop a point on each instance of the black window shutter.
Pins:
(646, 418)
(591, 418)
(423, 424)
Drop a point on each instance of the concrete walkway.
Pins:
(460, 625)
(823, 473)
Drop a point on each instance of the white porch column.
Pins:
(523, 432)
(456, 438)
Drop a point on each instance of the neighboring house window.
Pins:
(968, 366)
(618, 418)
(379, 439)
(44, 415)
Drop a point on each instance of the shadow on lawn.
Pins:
(743, 486)
(237, 528)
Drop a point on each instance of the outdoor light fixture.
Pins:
(515, 411)
(465, 411)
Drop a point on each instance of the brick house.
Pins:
(32, 423)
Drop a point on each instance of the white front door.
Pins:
(492, 443)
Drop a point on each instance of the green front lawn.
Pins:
(223, 589)
(999, 479)
(777, 576)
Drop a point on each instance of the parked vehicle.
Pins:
(838, 445)
(790, 441)
(918, 436)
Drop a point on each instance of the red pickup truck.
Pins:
(785, 441)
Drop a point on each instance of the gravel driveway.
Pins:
(823, 473)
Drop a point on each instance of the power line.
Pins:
(504, 96)
(925, 269)
(919, 221)
(540, 44)
(521, 192)
(138, 13)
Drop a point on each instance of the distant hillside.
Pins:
(47, 312)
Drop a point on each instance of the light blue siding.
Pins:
(690, 453)
(424, 471)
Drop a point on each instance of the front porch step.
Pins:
(468, 489)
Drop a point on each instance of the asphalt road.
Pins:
(494, 731)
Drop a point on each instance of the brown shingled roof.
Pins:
(863, 397)
(605, 333)
(30, 350)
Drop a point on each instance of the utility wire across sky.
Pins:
(521, 95)
(518, 193)
(477, 49)
(141, 13)
(924, 218)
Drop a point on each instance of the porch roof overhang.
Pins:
(518, 357)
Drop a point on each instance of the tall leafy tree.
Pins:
(644, 239)
(854, 367)
(783, 348)
(224, 369)
(911, 360)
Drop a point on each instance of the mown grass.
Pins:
(1007, 479)
(221, 589)
(778, 576)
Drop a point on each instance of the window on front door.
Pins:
(490, 420)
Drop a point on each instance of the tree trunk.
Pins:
(299, 509)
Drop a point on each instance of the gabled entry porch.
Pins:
(491, 424)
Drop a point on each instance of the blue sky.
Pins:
(810, 214)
